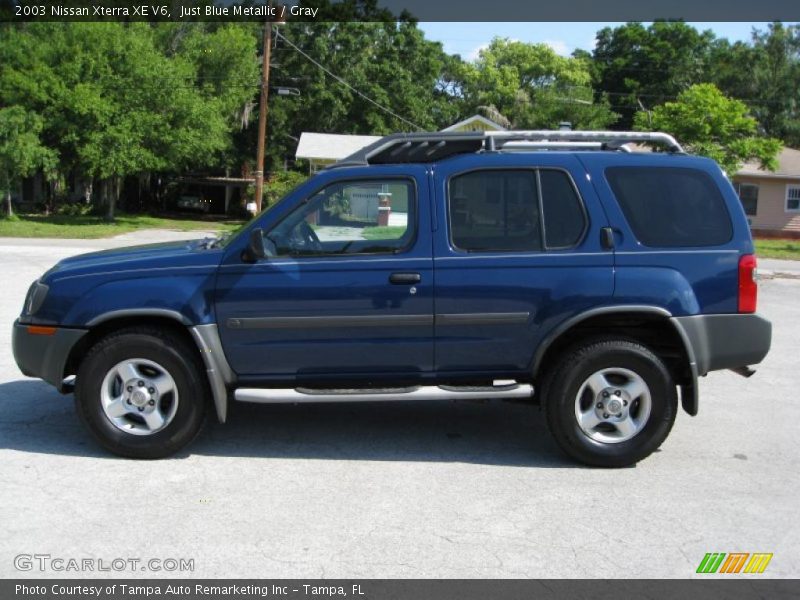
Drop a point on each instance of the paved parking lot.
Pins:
(408, 490)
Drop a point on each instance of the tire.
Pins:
(141, 393)
(617, 418)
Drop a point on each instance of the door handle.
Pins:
(404, 278)
(607, 240)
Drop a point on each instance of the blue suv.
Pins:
(554, 266)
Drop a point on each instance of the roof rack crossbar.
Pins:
(612, 139)
(410, 147)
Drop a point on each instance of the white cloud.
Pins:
(559, 46)
(473, 55)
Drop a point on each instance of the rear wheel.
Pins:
(141, 394)
(610, 403)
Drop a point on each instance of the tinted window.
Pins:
(495, 210)
(353, 217)
(564, 219)
(670, 207)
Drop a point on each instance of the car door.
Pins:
(348, 290)
(520, 253)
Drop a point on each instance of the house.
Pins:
(323, 149)
(771, 199)
(475, 123)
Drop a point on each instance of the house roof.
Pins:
(336, 146)
(331, 146)
(788, 166)
(475, 119)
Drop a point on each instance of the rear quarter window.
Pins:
(669, 206)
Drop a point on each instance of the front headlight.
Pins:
(35, 298)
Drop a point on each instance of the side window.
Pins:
(353, 217)
(670, 207)
(495, 211)
(564, 219)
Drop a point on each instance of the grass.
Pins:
(383, 233)
(787, 249)
(86, 227)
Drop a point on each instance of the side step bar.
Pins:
(428, 392)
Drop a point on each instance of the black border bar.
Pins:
(420, 10)
(735, 588)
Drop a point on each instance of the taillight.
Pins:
(748, 288)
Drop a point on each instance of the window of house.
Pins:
(748, 195)
(671, 206)
(351, 217)
(793, 198)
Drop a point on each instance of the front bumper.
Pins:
(726, 341)
(44, 356)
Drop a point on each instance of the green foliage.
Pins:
(532, 86)
(766, 73)
(646, 66)
(117, 99)
(390, 62)
(21, 150)
(74, 209)
(281, 183)
(710, 124)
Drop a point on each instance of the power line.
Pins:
(347, 85)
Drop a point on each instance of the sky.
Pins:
(467, 39)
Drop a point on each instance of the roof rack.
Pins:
(434, 146)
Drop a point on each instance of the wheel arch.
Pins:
(651, 325)
(204, 338)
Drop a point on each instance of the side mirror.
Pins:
(255, 247)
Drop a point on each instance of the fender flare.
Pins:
(689, 392)
(139, 312)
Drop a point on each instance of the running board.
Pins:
(429, 392)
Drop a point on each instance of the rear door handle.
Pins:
(607, 240)
(404, 278)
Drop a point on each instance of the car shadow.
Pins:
(35, 418)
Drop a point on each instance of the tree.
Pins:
(646, 66)
(21, 150)
(532, 86)
(776, 79)
(765, 74)
(390, 63)
(708, 123)
(117, 100)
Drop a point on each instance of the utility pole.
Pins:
(262, 110)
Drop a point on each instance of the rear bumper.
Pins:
(44, 356)
(725, 341)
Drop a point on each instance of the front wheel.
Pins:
(610, 403)
(141, 394)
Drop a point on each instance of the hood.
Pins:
(166, 255)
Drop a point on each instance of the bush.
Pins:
(76, 209)
(279, 184)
